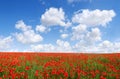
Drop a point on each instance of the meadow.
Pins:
(59, 66)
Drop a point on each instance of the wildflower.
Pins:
(65, 74)
(36, 73)
(27, 68)
(104, 73)
(60, 71)
(101, 77)
(54, 71)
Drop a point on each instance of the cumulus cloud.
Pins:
(82, 47)
(60, 46)
(63, 36)
(63, 45)
(93, 36)
(5, 42)
(54, 16)
(86, 35)
(40, 28)
(116, 46)
(85, 38)
(93, 17)
(43, 47)
(78, 32)
(22, 26)
(27, 34)
(106, 46)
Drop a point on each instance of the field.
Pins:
(59, 66)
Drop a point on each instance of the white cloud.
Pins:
(106, 44)
(93, 18)
(93, 36)
(53, 17)
(27, 35)
(40, 28)
(43, 47)
(63, 45)
(84, 48)
(109, 47)
(102, 47)
(78, 32)
(79, 28)
(63, 36)
(22, 26)
(116, 47)
(86, 39)
(5, 42)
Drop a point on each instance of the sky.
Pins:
(60, 26)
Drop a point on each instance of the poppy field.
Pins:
(59, 66)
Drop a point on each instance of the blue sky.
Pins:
(60, 25)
